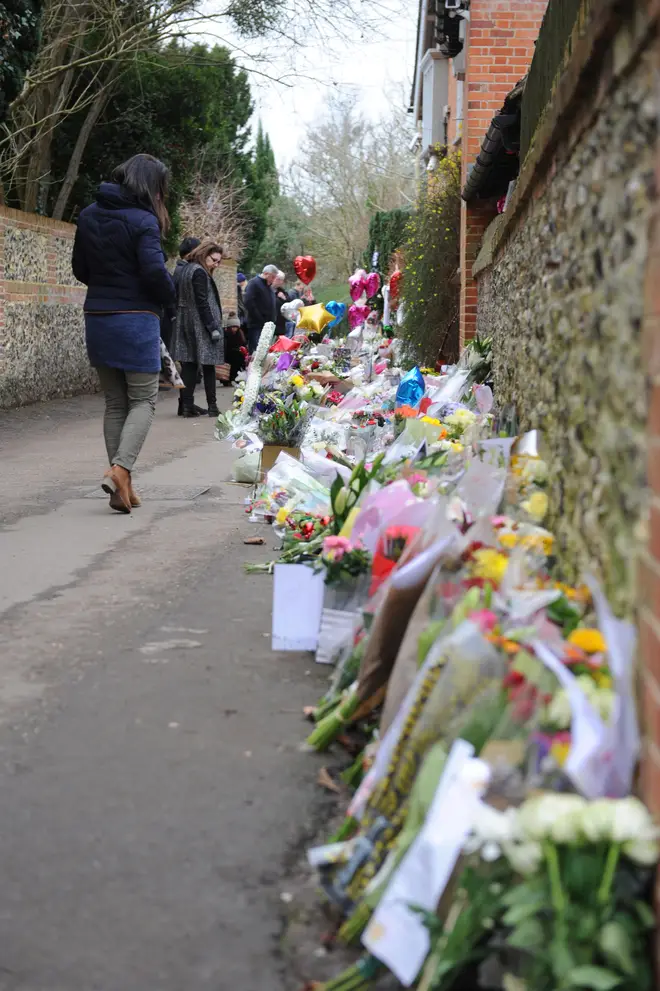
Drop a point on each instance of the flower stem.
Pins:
(611, 863)
(554, 873)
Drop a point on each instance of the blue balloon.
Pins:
(411, 389)
(338, 311)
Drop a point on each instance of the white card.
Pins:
(396, 934)
(297, 607)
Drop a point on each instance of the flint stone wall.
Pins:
(563, 295)
(42, 343)
(42, 333)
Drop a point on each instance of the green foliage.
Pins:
(431, 250)
(387, 232)
(284, 237)
(188, 106)
(262, 189)
(19, 41)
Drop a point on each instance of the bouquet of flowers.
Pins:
(284, 424)
(333, 398)
(343, 561)
(368, 418)
(568, 885)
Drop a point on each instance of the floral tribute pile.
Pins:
(482, 708)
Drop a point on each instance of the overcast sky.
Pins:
(376, 70)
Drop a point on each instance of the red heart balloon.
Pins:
(305, 267)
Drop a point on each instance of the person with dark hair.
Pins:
(199, 338)
(260, 304)
(118, 255)
(241, 311)
(169, 316)
(168, 322)
(281, 297)
(235, 346)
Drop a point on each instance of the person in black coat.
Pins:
(260, 304)
(241, 311)
(169, 316)
(281, 297)
(199, 336)
(235, 347)
(118, 255)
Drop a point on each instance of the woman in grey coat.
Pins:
(199, 338)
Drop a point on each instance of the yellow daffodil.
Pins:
(559, 752)
(297, 380)
(282, 515)
(536, 506)
(432, 421)
(490, 565)
(589, 640)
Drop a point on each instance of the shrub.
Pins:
(430, 290)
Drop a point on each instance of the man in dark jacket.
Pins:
(241, 283)
(260, 304)
(281, 297)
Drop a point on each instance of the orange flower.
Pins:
(407, 411)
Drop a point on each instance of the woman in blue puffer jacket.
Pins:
(118, 255)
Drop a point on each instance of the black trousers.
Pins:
(189, 376)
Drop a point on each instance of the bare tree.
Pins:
(87, 44)
(217, 210)
(350, 168)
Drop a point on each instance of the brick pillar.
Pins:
(499, 51)
(475, 218)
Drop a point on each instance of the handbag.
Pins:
(170, 372)
(222, 372)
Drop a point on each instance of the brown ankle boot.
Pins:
(117, 483)
(134, 497)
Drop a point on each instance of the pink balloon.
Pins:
(357, 315)
(372, 284)
(357, 283)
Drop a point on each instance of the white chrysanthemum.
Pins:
(525, 858)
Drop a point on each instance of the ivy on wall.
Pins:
(431, 248)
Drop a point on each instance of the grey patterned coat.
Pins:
(198, 314)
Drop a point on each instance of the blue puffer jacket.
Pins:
(118, 255)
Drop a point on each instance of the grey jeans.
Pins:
(130, 402)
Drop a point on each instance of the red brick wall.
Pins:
(500, 46)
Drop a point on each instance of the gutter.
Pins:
(421, 34)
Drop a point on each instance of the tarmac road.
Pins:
(152, 789)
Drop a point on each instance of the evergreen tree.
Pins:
(19, 42)
(189, 107)
(262, 189)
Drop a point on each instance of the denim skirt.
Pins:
(130, 341)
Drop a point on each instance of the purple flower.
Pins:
(284, 362)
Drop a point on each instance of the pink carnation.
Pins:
(336, 547)
(484, 619)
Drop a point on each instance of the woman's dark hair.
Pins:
(187, 245)
(203, 250)
(146, 177)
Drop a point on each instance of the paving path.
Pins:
(151, 784)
